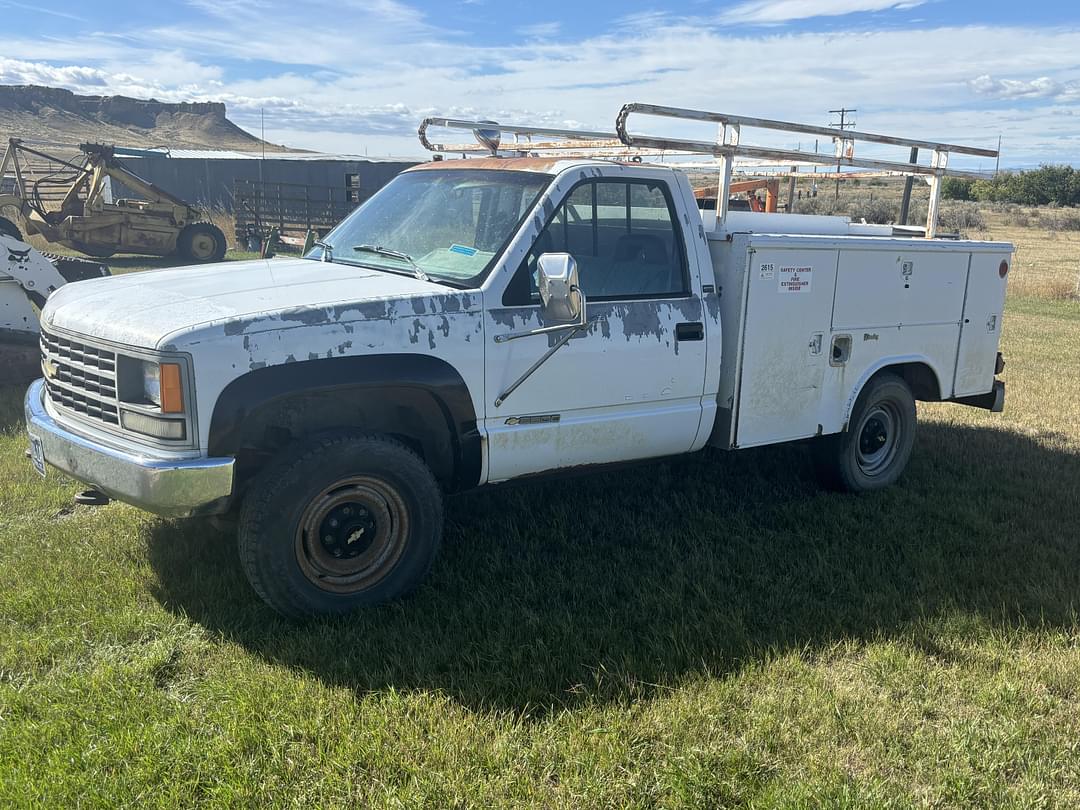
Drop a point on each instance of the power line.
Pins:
(842, 124)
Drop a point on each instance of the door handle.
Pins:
(694, 330)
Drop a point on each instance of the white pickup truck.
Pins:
(487, 319)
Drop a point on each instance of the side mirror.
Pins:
(561, 299)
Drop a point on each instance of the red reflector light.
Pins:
(1003, 268)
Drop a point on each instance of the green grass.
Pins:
(709, 632)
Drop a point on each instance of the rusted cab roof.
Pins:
(543, 165)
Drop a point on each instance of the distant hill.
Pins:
(60, 116)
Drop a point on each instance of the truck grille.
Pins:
(80, 378)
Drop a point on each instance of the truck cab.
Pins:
(483, 320)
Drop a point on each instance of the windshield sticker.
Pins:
(795, 279)
(463, 250)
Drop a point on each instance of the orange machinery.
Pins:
(772, 193)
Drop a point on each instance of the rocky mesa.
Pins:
(61, 116)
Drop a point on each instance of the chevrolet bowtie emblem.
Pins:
(49, 368)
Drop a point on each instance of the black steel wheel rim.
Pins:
(878, 438)
(352, 534)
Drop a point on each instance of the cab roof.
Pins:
(542, 165)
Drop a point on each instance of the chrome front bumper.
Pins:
(166, 486)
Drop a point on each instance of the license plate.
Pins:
(37, 455)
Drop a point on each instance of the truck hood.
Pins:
(143, 309)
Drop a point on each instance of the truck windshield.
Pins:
(443, 224)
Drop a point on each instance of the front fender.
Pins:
(419, 397)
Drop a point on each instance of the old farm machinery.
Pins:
(73, 202)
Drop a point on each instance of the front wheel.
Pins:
(874, 450)
(341, 522)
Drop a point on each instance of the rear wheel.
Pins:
(201, 242)
(342, 522)
(876, 447)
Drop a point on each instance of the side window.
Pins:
(623, 236)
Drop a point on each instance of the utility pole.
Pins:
(262, 137)
(841, 125)
(905, 201)
(997, 160)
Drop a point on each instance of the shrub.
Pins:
(878, 212)
(956, 188)
(1047, 184)
(961, 217)
(823, 204)
(1067, 220)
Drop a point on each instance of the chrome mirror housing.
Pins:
(561, 300)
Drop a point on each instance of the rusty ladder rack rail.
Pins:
(728, 146)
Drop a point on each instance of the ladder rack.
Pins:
(623, 145)
(728, 146)
(488, 134)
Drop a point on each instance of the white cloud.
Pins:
(328, 88)
(778, 11)
(69, 77)
(1042, 87)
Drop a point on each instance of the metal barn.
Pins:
(209, 177)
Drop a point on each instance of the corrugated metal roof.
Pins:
(231, 154)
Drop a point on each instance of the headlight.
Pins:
(152, 397)
(151, 380)
(161, 386)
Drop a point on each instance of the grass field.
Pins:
(710, 632)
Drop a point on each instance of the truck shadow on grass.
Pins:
(617, 585)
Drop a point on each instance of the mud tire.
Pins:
(382, 497)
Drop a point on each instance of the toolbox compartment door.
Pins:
(980, 331)
(788, 308)
(878, 287)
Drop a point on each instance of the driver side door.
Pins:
(630, 385)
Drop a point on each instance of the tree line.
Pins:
(1059, 185)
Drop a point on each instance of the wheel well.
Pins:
(920, 378)
(413, 417)
(420, 401)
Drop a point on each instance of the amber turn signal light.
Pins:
(172, 395)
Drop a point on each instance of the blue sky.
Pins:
(354, 76)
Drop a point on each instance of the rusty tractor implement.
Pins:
(88, 219)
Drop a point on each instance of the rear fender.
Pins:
(897, 363)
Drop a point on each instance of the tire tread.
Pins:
(832, 456)
(259, 508)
